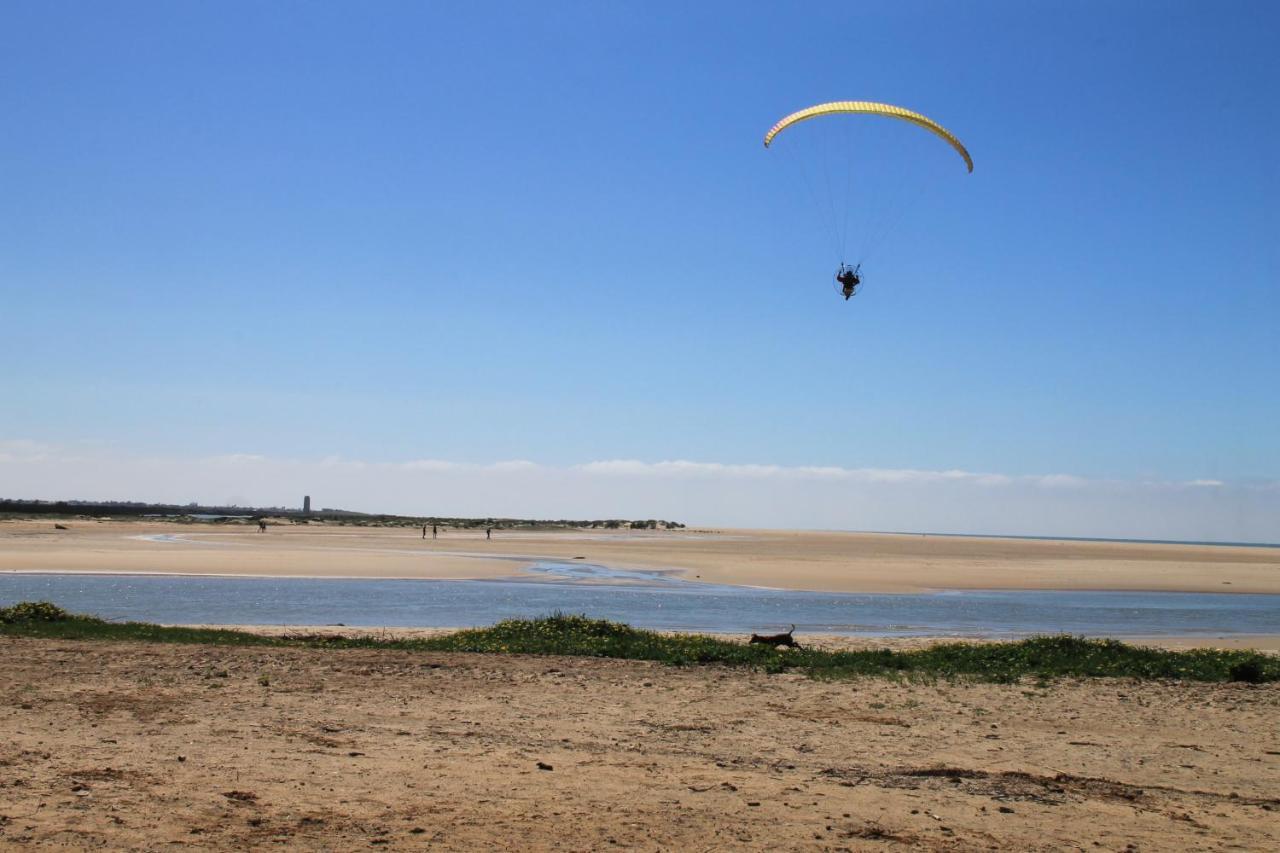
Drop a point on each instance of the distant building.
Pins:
(306, 505)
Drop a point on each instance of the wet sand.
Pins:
(135, 746)
(841, 562)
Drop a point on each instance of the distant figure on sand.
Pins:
(434, 531)
(424, 531)
(488, 533)
(262, 525)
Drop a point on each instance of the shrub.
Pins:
(1249, 671)
(1042, 658)
(33, 611)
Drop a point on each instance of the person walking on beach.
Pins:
(434, 531)
(424, 531)
(488, 533)
(262, 525)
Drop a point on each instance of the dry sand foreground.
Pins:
(134, 746)
(849, 562)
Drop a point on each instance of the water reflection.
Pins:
(649, 599)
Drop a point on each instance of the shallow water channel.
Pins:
(643, 599)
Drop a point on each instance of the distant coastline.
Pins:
(118, 510)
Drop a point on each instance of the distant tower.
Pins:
(306, 505)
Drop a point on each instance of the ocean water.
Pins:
(1222, 543)
(643, 599)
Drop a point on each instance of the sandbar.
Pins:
(822, 561)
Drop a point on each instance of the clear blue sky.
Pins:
(478, 232)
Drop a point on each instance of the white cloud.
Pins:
(341, 463)
(711, 493)
(429, 465)
(512, 465)
(614, 466)
(684, 468)
(19, 450)
(236, 459)
(1060, 481)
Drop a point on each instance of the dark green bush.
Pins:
(1250, 671)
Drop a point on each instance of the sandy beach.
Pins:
(842, 562)
(140, 746)
(897, 293)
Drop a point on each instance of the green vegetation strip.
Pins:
(1038, 657)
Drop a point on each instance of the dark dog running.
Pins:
(777, 639)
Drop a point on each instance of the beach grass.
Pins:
(1042, 658)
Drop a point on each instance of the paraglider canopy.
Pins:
(871, 108)
(856, 176)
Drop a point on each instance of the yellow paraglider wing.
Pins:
(871, 109)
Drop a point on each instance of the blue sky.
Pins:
(549, 232)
